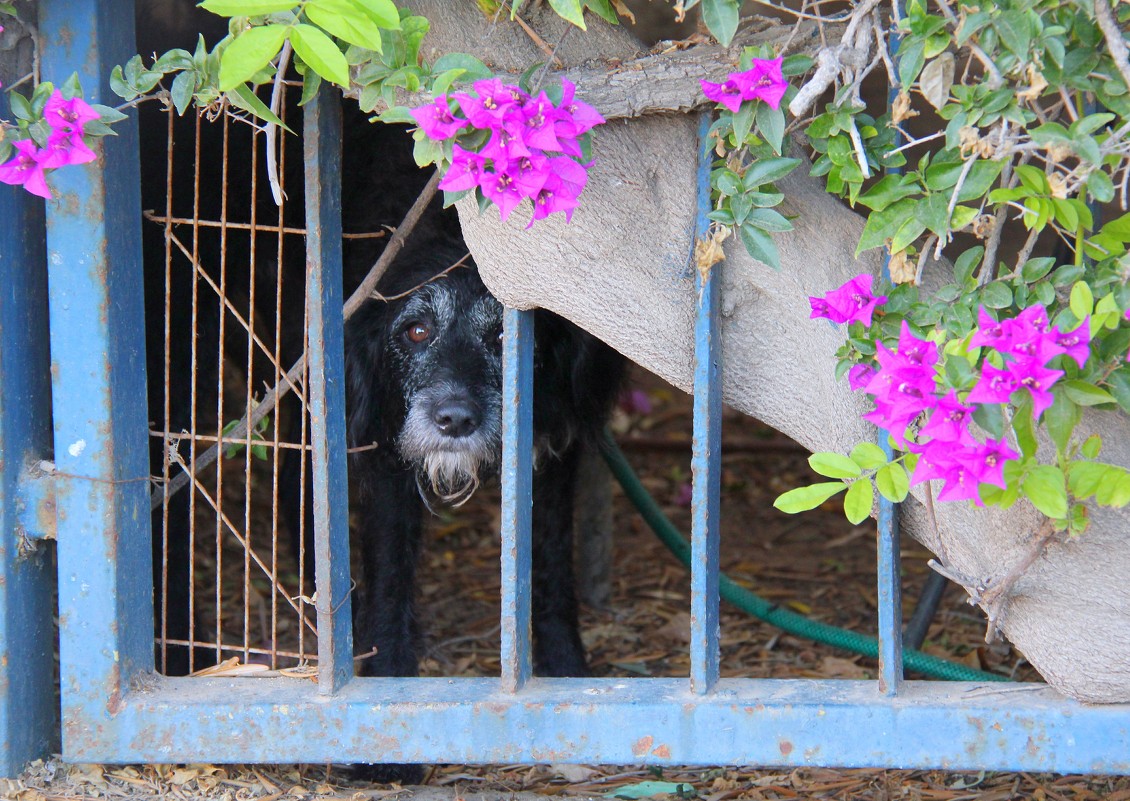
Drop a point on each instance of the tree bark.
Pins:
(620, 269)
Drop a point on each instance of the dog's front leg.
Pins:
(391, 515)
(557, 641)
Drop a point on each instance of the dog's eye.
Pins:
(418, 332)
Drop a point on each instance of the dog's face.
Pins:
(445, 346)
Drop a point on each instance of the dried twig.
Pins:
(1114, 41)
(992, 594)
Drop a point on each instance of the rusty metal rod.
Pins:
(359, 296)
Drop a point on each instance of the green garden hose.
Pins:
(749, 602)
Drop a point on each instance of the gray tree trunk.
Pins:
(620, 270)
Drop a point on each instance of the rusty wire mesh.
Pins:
(228, 298)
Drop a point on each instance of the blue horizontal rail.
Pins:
(785, 722)
(116, 711)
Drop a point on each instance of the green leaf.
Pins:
(759, 245)
(1085, 478)
(858, 501)
(604, 9)
(766, 171)
(868, 455)
(883, 225)
(1100, 186)
(912, 55)
(740, 206)
(1087, 394)
(1045, 487)
(345, 21)
(1060, 419)
(802, 499)
(312, 82)
(1015, 32)
(892, 482)
(769, 220)
(181, 92)
(320, 53)
(1035, 269)
(833, 465)
(771, 125)
(887, 190)
(990, 417)
(20, 107)
(247, 8)
(248, 53)
(1033, 179)
(649, 788)
(174, 60)
(1119, 384)
(721, 18)
(1114, 489)
(1023, 426)
(726, 181)
(742, 122)
(570, 11)
(473, 68)
(243, 97)
(426, 151)
(1082, 300)
(1092, 446)
(996, 295)
(383, 12)
(108, 114)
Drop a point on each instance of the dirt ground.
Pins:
(816, 564)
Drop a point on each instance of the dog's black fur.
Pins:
(425, 384)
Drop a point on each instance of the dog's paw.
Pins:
(389, 773)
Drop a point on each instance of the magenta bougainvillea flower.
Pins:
(1076, 343)
(532, 152)
(66, 119)
(949, 420)
(64, 149)
(437, 121)
(852, 302)
(763, 81)
(26, 169)
(68, 115)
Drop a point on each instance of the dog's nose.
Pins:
(456, 417)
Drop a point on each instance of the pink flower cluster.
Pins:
(532, 151)
(904, 387)
(66, 118)
(852, 302)
(1027, 342)
(763, 81)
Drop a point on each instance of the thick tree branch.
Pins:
(667, 81)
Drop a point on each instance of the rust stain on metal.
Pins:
(642, 745)
(114, 702)
(663, 752)
(785, 747)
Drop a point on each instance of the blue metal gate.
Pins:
(93, 499)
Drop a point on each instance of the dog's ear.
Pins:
(366, 361)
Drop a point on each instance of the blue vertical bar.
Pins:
(888, 555)
(322, 157)
(517, 493)
(98, 382)
(890, 598)
(29, 717)
(706, 465)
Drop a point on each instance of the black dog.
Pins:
(424, 383)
